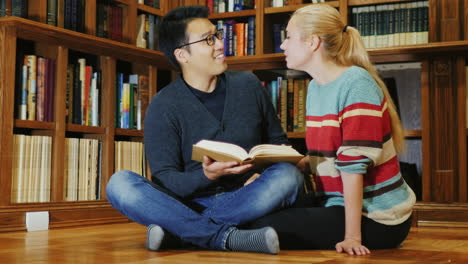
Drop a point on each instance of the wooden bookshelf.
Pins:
(443, 133)
(58, 43)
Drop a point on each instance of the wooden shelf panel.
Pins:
(85, 129)
(150, 9)
(257, 62)
(26, 207)
(128, 132)
(125, 2)
(243, 13)
(292, 8)
(372, 2)
(39, 32)
(34, 124)
(413, 133)
(296, 134)
(391, 54)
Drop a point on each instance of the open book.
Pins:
(260, 154)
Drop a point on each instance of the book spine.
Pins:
(41, 86)
(23, 108)
(32, 93)
(52, 12)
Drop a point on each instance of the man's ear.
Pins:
(180, 55)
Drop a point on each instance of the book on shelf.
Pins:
(19, 8)
(82, 172)
(260, 154)
(388, 25)
(130, 156)
(31, 169)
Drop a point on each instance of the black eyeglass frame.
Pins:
(210, 39)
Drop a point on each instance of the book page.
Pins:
(223, 147)
(273, 150)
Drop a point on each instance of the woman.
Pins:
(353, 137)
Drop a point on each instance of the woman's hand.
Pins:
(216, 169)
(352, 247)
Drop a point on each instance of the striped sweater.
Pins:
(348, 129)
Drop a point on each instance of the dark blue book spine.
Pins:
(251, 36)
(277, 38)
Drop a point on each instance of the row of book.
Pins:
(31, 178)
(74, 14)
(147, 36)
(222, 6)
(35, 95)
(31, 169)
(390, 25)
(239, 37)
(19, 8)
(132, 100)
(82, 173)
(130, 156)
(288, 96)
(109, 21)
(83, 94)
(151, 3)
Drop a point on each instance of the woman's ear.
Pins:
(315, 42)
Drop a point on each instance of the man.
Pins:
(203, 203)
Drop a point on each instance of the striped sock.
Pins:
(264, 240)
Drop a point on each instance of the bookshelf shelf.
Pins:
(128, 132)
(85, 129)
(243, 13)
(372, 2)
(149, 9)
(39, 32)
(34, 124)
(292, 8)
(390, 54)
(413, 133)
(296, 134)
(125, 2)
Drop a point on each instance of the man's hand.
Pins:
(215, 169)
(303, 165)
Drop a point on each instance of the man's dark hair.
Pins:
(173, 26)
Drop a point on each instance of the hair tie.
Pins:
(345, 27)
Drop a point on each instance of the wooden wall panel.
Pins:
(446, 21)
(443, 111)
(7, 84)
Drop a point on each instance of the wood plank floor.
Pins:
(124, 243)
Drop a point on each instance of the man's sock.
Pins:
(154, 237)
(264, 240)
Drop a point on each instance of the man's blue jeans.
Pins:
(147, 203)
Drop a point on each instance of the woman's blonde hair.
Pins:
(345, 46)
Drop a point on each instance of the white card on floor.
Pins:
(36, 221)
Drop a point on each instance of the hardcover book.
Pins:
(260, 154)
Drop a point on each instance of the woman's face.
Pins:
(296, 49)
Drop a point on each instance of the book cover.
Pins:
(260, 154)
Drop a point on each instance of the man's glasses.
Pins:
(210, 39)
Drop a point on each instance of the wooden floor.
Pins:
(124, 243)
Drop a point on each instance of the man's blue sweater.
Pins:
(176, 119)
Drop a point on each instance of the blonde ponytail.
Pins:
(345, 46)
